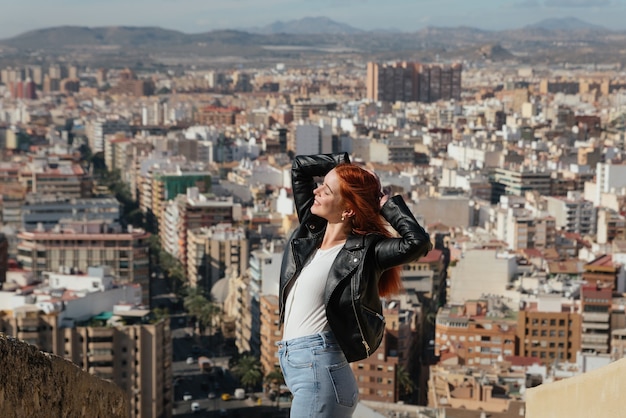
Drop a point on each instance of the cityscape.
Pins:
(146, 202)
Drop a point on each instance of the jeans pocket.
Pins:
(344, 383)
(299, 358)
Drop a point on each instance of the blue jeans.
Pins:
(318, 376)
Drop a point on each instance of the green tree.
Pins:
(202, 308)
(248, 371)
(405, 383)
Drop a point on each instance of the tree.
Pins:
(202, 308)
(248, 371)
(405, 383)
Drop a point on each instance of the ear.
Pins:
(348, 213)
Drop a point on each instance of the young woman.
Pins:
(337, 263)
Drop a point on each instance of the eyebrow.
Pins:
(326, 185)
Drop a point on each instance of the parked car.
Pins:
(226, 396)
(212, 395)
(190, 360)
(195, 407)
(187, 396)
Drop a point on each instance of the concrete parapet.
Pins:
(36, 384)
(598, 393)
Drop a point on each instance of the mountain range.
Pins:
(548, 41)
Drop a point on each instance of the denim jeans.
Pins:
(318, 376)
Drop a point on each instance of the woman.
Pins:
(336, 264)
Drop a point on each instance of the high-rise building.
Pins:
(413, 82)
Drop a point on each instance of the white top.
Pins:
(305, 313)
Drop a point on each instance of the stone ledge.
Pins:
(37, 384)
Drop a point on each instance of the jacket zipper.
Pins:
(356, 316)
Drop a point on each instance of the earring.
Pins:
(343, 218)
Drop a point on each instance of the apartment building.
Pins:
(190, 211)
(215, 115)
(166, 185)
(413, 82)
(43, 212)
(611, 225)
(572, 213)
(270, 334)
(478, 332)
(51, 175)
(212, 250)
(81, 244)
(519, 180)
(97, 129)
(549, 330)
(603, 272)
(595, 305)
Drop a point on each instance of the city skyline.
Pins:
(194, 16)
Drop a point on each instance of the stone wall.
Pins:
(36, 384)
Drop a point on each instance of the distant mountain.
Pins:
(546, 41)
(566, 23)
(308, 25)
(68, 36)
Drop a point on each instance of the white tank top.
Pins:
(305, 313)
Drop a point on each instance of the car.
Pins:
(212, 395)
(226, 396)
(195, 407)
(190, 360)
(187, 396)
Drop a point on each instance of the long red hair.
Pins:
(361, 191)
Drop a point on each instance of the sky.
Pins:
(196, 16)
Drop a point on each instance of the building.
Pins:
(572, 213)
(270, 334)
(79, 245)
(413, 82)
(518, 181)
(97, 129)
(44, 212)
(595, 304)
(263, 273)
(477, 333)
(211, 250)
(549, 330)
(53, 176)
(190, 211)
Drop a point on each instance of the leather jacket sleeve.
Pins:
(303, 172)
(413, 242)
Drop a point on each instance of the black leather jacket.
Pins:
(353, 307)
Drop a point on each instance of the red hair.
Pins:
(360, 189)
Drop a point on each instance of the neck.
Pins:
(336, 233)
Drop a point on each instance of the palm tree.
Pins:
(202, 308)
(248, 370)
(405, 383)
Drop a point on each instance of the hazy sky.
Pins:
(195, 16)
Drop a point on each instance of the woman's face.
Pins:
(328, 203)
